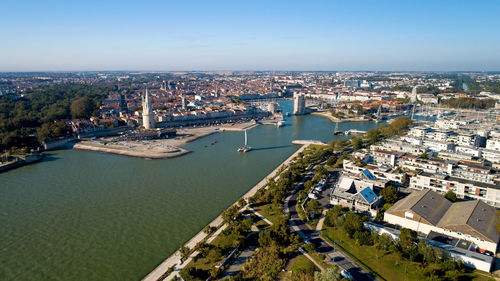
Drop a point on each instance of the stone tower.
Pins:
(413, 97)
(148, 117)
(299, 104)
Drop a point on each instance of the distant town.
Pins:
(424, 185)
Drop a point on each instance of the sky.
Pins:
(182, 35)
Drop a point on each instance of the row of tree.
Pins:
(22, 119)
(469, 103)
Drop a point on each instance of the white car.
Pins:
(346, 274)
(313, 196)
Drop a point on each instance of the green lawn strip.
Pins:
(206, 263)
(269, 211)
(320, 261)
(258, 222)
(385, 265)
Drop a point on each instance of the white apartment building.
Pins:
(467, 189)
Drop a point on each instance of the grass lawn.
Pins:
(269, 211)
(385, 265)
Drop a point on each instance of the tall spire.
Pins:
(148, 118)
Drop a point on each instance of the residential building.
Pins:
(427, 211)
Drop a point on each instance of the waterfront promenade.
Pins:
(175, 259)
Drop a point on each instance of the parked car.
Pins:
(346, 274)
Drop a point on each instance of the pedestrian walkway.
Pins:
(175, 258)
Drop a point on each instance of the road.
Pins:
(321, 245)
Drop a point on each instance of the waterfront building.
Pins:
(299, 104)
(148, 117)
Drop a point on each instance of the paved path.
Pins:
(259, 215)
(241, 259)
(321, 245)
(175, 258)
(310, 258)
(319, 226)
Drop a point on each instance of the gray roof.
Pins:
(431, 207)
(484, 220)
(440, 212)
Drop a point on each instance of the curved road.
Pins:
(321, 245)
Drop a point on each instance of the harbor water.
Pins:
(82, 215)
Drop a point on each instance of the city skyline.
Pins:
(278, 36)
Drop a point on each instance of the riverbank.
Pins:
(151, 149)
(19, 161)
(335, 119)
(174, 260)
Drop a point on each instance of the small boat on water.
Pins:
(280, 123)
(246, 147)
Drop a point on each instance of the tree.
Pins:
(313, 208)
(357, 143)
(340, 144)
(266, 264)
(308, 184)
(328, 274)
(81, 108)
(407, 238)
(427, 252)
(230, 214)
(184, 252)
(352, 223)
(372, 135)
(331, 160)
(450, 195)
(390, 194)
(242, 202)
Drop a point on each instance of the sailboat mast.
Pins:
(245, 137)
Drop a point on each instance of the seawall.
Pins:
(174, 258)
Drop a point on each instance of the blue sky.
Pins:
(249, 35)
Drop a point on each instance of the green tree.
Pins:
(184, 252)
(390, 194)
(373, 135)
(352, 223)
(81, 108)
(328, 274)
(340, 144)
(407, 238)
(266, 264)
(331, 160)
(450, 195)
(313, 208)
(357, 143)
(230, 214)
